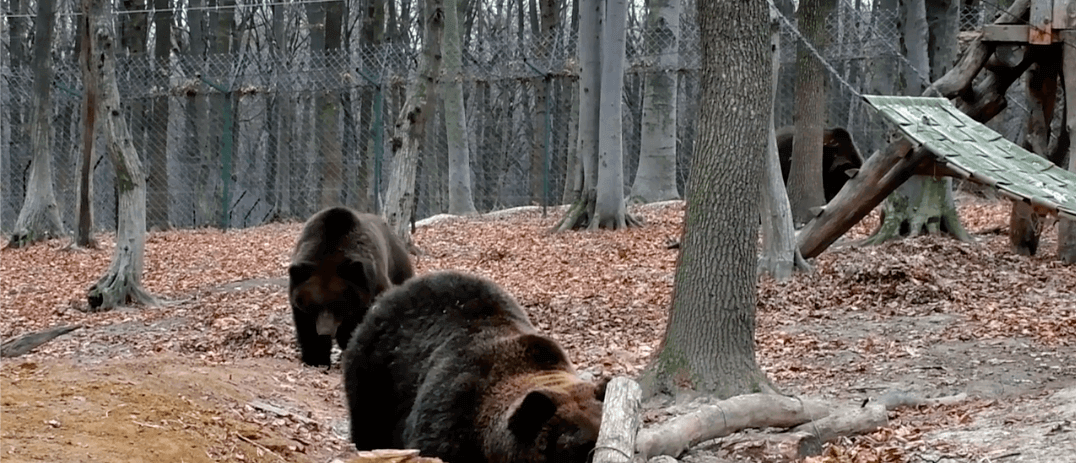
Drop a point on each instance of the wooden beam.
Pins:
(880, 175)
(1063, 19)
(1006, 33)
(1041, 22)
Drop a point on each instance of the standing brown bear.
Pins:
(449, 364)
(341, 262)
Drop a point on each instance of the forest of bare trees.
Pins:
(244, 113)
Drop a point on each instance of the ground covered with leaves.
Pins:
(212, 374)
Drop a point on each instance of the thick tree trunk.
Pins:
(710, 337)
(39, 218)
(1066, 228)
(655, 179)
(1041, 79)
(609, 209)
(924, 205)
(410, 130)
(805, 192)
(780, 256)
(460, 198)
(122, 282)
(591, 18)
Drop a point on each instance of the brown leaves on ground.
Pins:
(928, 313)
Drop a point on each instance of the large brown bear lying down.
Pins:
(449, 364)
(341, 262)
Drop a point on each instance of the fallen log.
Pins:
(846, 422)
(620, 422)
(726, 417)
(24, 344)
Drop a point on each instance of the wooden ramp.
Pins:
(940, 140)
(975, 152)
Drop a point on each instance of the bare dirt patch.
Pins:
(177, 382)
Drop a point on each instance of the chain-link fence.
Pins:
(240, 139)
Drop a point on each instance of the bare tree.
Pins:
(411, 125)
(39, 218)
(655, 179)
(601, 145)
(460, 198)
(780, 256)
(924, 204)
(84, 229)
(122, 282)
(709, 343)
(805, 191)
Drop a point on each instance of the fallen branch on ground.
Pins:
(28, 342)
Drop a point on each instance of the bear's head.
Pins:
(332, 290)
(558, 421)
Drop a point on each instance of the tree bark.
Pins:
(158, 203)
(805, 191)
(709, 340)
(122, 282)
(655, 179)
(84, 229)
(460, 198)
(591, 17)
(609, 209)
(39, 218)
(924, 205)
(780, 256)
(1066, 228)
(410, 131)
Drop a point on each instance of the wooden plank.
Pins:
(1041, 22)
(1005, 33)
(1064, 14)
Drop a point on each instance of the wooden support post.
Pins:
(1066, 229)
(1024, 222)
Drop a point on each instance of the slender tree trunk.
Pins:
(158, 203)
(410, 130)
(609, 209)
(1066, 229)
(655, 179)
(122, 282)
(39, 218)
(84, 229)
(709, 344)
(780, 256)
(460, 198)
(805, 191)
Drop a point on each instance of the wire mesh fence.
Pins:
(263, 134)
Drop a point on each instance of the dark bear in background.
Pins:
(341, 262)
(449, 364)
(840, 158)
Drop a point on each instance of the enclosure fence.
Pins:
(275, 133)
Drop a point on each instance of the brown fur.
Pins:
(341, 262)
(449, 364)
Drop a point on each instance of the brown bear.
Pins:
(840, 158)
(449, 364)
(341, 262)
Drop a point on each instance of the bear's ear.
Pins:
(599, 389)
(361, 273)
(527, 420)
(542, 351)
(301, 272)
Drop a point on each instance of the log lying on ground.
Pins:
(620, 422)
(813, 423)
(28, 342)
(728, 416)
